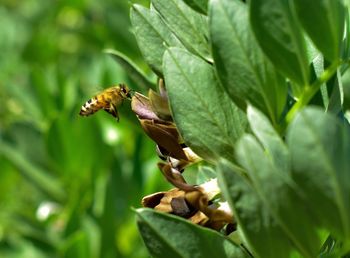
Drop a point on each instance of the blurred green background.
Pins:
(67, 182)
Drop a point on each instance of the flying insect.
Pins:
(109, 100)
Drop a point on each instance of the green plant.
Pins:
(255, 89)
(66, 182)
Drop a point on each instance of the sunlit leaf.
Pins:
(153, 36)
(207, 119)
(190, 27)
(241, 66)
(270, 139)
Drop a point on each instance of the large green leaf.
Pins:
(270, 139)
(170, 236)
(279, 194)
(207, 119)
(264, 236)
(190, 27)
(198, 5)
(153, 36)
(278, 32)
(267, 162)
(324, 25)
(320, 151)
(241, 66)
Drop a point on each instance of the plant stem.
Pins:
(311, 90)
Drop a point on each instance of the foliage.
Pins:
(256, 88)
(67, 182)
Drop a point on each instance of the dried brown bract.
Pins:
(195, 203)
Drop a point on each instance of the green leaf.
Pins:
(322, 97)
(331, 94)
(324, 25)
(205, 173)
(198, 5)
(346, 41)
(331, 249)
(153, 36)
(277, 191)
(270, 139)
(267, 171)
(190, 27)
(320, 150)
(336, 99)
(278, 32)
(170, 236)
(136, 75)
(207, 119)
(264, 236)
(241, 66)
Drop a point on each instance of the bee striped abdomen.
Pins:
(91, 106)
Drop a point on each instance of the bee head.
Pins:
(125, 91)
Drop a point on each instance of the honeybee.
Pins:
(108, 100)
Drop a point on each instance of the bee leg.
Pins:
(116, 115)
(113, 111)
